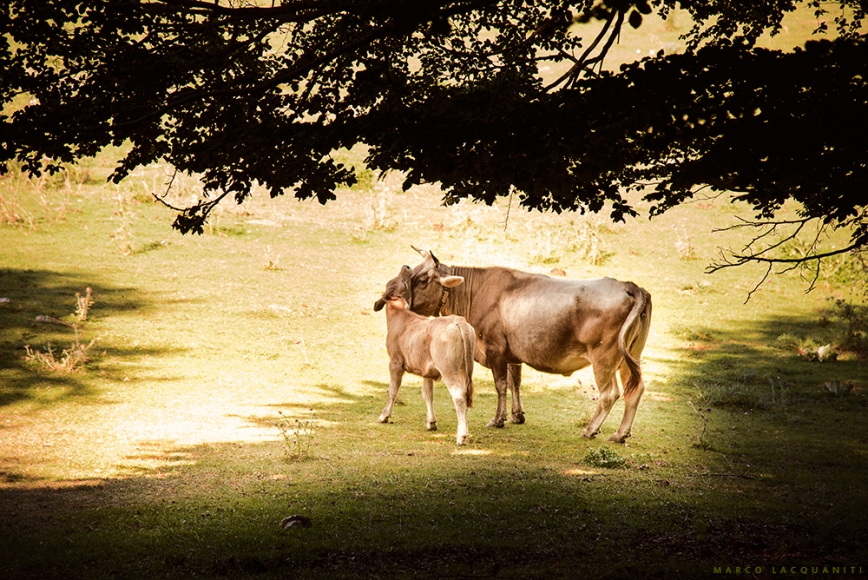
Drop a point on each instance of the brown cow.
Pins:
(553, 325)
(429, 348)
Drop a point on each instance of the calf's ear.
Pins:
(451, 281)
(378, 305)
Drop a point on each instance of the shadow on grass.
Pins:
(753, 356)
(780, 485)
(30, 294)
(418, 515)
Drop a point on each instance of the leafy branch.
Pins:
(810, 260)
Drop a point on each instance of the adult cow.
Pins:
(553, 325)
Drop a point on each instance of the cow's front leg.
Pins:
(396, 373)
(499, 371)
(428, 395)
(513, 380)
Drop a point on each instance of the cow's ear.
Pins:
(378, 305)
(451, 281)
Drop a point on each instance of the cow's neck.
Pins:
(459, 300)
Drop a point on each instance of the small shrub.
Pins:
(581, 238)
(83, 304)
(124, 215)
(272, 262)
(839, 388)
(604, 457)
(788, 341)
(297, 437)
(700, 427)
(683, 246)
(734, 394)
(854, 318)
(69, 360)
(807, 348)
(76, 355)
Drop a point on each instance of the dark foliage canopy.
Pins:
(449, 91)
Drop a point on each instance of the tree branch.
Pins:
(810, 260)
(582, 62)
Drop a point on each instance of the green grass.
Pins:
(162, 455)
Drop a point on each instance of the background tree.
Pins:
(449, 91)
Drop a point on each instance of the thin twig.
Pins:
(508, 208)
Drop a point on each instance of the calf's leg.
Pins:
(428, 395)
(457, 385)
(396, 373)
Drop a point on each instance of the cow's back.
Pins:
(544, 322)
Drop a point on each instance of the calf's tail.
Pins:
(634, 333)
(469, 336)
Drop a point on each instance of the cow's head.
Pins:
(399, 290)
(430, 281)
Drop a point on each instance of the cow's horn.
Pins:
(424, 253)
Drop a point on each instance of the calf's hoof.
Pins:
(619, 438)
(517, 418)
(432, 426)
(383, 419)
(588, 434)
(497, 423)
(461, 439)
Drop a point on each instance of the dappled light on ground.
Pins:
(472, 452)
(580, 472)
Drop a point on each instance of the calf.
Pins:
(430, 348)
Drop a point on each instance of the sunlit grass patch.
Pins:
(208, 338)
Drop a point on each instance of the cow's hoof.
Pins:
(517, 418)
(383, 419)
(461, 440)
(432, 426)
(619, 438)
(589, 434)
(495, 423)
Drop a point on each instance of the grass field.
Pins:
(220, 383)
(161, 456)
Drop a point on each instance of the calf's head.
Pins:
(398, 291)
(429, 283)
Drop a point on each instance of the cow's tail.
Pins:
(634, 333)
(469, 336)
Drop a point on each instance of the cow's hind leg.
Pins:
(396, 373)
(498, 369)
(631, 405)
(428, 395)
(513, 381)
(604, 373)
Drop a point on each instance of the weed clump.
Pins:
(297, 437)
(76, 355)
(69, 359)
(605, 458)
(579, 238)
